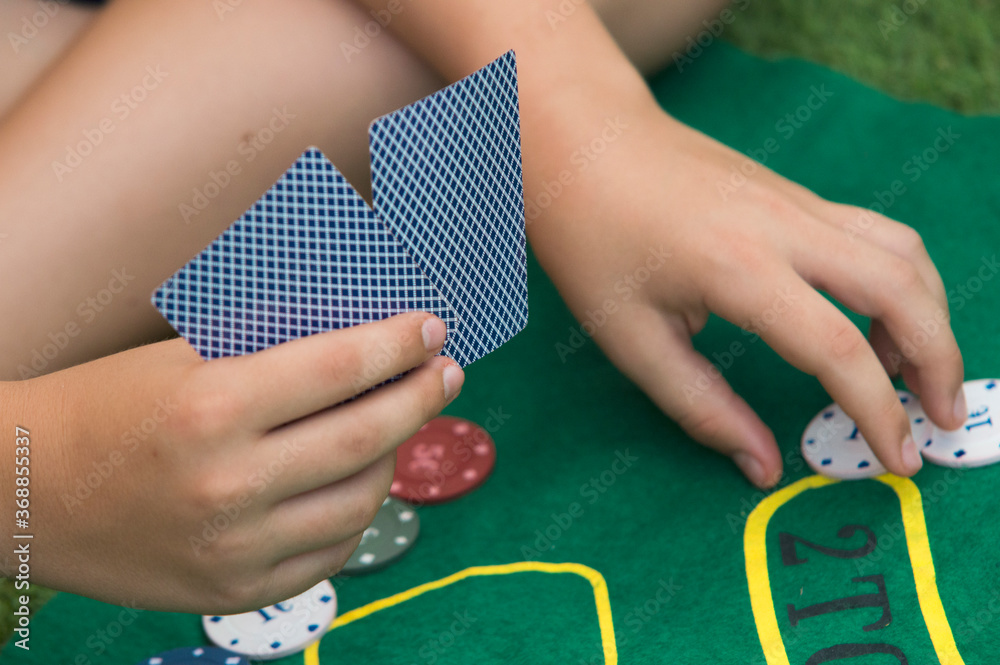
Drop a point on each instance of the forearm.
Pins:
(572, 76)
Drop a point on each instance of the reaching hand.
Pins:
(649, 207)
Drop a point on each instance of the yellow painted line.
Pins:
(755, 551)
(917, 543)
(600, 587)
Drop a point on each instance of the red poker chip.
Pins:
(447, 458)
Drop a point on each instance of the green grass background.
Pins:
(945, 52)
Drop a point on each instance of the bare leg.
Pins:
(36, 36)
(103, 161)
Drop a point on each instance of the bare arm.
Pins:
(648, 199)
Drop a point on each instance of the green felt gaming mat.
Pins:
(647, 545)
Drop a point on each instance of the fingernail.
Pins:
(433, 332)
(961, 408)
(911, 456)
(454, 377)
(751, 468)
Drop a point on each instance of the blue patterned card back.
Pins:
(446, 179)
(311, 256)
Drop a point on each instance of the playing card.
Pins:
(311, 256)
(446, 179)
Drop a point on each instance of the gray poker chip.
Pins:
(391, 534)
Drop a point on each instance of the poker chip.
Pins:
(391, 534)
(833, 446)
(277, 630)
(920, 425)
(196, 656)
(977, 441)
(447, 458)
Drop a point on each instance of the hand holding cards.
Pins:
(447, 236)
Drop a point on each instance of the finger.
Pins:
(813, 335)
(891, 357)
(942, 395)
(885, 348)
(334, 513)
(303, 376)
(658, 356)
(910, 378)
(881, 285)
(337, 443)
(892, 236)
(299, 573)
(864, 225)
(945, 403)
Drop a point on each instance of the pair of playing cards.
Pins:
(446, 236)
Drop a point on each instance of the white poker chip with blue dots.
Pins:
(977, 441)
(196, 656)
(833, 446)
(277, 630)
